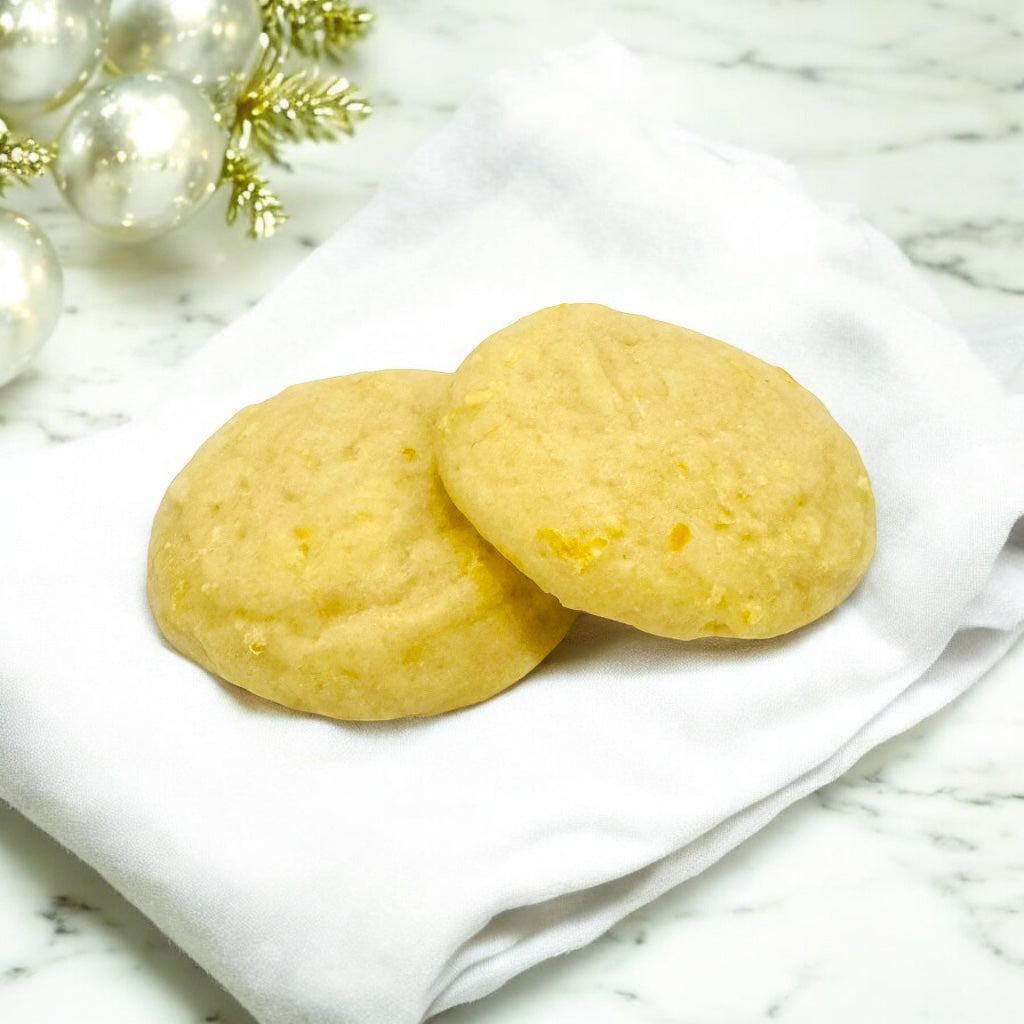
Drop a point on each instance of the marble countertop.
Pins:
(896, 894)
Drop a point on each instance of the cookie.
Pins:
(309, 554)
(643, 472)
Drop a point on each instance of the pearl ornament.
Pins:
(31, 292)
(48, 51)
(140, 155)
(209, 42)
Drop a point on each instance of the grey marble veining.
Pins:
(894, 895)
(71, 948)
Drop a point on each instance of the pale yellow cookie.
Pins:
(645, 473)
(309, 554)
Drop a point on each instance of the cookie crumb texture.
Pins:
(309, 554)
(643, 472)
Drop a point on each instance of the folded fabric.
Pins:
(381, 872)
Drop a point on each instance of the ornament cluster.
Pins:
(164, 102)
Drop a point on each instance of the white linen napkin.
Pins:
(376, 873)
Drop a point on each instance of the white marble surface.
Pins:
(894, 895)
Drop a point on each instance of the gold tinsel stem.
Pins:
(279, 106)
(315, 28)
(251, 195)
(21, 159)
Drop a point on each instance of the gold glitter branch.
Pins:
(288, 106)
(295, 107)
(315, 28)
(21, 159)
(251, 195)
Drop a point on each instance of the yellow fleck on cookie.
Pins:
(646, 473)
(309, 554)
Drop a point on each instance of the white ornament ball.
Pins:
(48, 51)
(31, 292)
(140, 155)
(209, 42)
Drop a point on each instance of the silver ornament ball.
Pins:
(48, 51)
(140, 155)
(31, 292)
(209, 42)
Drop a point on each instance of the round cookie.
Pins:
(646, 473)
(309, 554)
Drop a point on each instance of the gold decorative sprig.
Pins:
(21, 159)
(286, 102)
(314, 28)
(295, 106)
(251, 195)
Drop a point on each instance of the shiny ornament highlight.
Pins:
(210, 42)
(140, 155)
(48, 51)
(31, 292)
